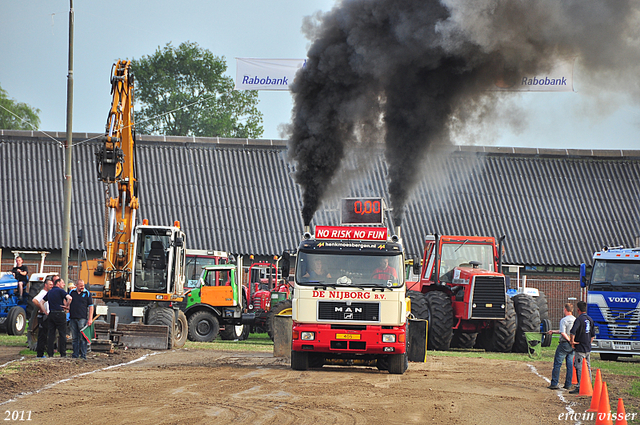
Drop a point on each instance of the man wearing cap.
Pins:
(58, 305)
(43, 317)
(81, 315)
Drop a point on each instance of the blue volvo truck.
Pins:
(613, 301)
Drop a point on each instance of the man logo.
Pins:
(348, 316)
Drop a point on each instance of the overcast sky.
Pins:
(34, 64)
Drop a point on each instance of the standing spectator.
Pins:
(58, 304)
(582, 334)
(81, 314)
(20, 272)
(564, 350)
(43, 317)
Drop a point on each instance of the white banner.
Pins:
(558, 79)
(266, 74)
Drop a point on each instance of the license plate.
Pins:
(347, 336)
(622, 346)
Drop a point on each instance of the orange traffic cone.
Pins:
(603, 417)
(621, 415)
(585, 380)
(597, 390)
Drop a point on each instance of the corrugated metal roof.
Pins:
(555, 206)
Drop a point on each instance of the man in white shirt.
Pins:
(43, 315)
(564, 350)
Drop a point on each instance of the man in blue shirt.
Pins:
(58, 300)
(582, 333)
(81, 315)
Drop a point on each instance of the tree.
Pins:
(182, 92)
(17, 115)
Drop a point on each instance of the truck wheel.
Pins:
(32, 331)
(16, 321)
(181, 331)
(440, 316)
(502, 335)
(527, 320)
(163, 316)
(275, 309)
(232, 333)
(203, 327)
(299, 360)
(398, 363)
(463, 340)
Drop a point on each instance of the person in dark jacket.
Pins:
(21, 273)
(59, 301)
(80, 315)
(582, 334)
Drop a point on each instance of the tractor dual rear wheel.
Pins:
(163, 316)
(527, 320)
(440, 317)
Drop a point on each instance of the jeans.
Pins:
(563, 352)
(79, 342)
(582, 358)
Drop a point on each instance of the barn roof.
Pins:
(555, 206)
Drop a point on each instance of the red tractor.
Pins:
(462, 293)
(265, 289)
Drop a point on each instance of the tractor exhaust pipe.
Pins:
(307, 232)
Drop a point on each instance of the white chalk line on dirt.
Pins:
(48, 386)
(8, 363)
(566, 402)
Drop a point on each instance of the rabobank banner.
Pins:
(559, 78)
(266, 74)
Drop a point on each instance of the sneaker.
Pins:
(576, 390)
(553, 387)
(567, 388)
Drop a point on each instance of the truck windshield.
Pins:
(460, 254)
(349, 270)
(616, 273)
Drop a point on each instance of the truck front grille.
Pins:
(489, 297)
(356, 312)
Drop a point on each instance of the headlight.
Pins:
(307, 336)
(388, 337)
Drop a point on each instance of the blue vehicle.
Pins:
(13, 309)
(613, 301)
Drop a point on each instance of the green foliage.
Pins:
(17, 115)
(182, 92)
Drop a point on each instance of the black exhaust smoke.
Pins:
(412, 72)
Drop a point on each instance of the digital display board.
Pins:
(362, 211)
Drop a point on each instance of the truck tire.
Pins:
(527, 320)
(299, 360)
(398, 363)
(203, 327)
(501, 336)
(16, 321)
(463, 340)
(545, 327)
(440, 317)
(181, 331)
(234, 333)
(275, 309)
(163, 316)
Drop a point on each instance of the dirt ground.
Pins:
(202, 386)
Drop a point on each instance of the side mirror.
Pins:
(286, 264)
(416, 266)
(583, 275)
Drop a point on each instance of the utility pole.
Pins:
(66, 215)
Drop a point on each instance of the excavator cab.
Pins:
(159, 260)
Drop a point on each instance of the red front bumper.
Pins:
(334, 339)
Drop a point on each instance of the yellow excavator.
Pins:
(139, 282)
